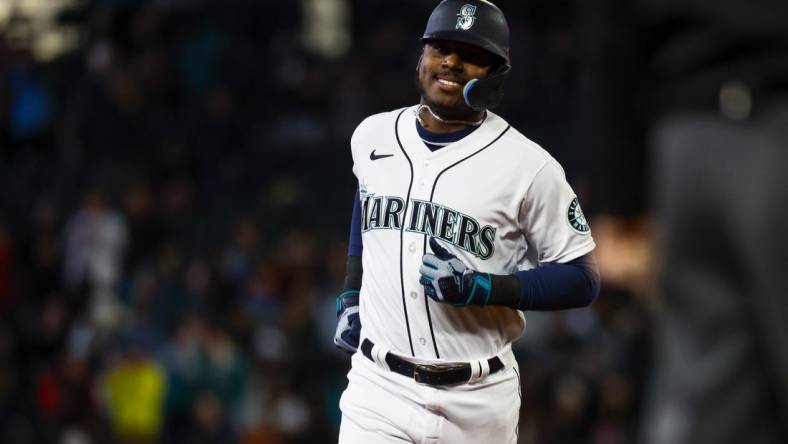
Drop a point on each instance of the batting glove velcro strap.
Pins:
(348, 329)
(445, 278)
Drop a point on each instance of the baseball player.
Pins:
(460, 225)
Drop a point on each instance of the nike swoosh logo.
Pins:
(373, 156)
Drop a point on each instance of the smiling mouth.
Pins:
(448, 85)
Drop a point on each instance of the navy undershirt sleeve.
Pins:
(556, 286)
(355, 247)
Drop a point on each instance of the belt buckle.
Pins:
(421, 372)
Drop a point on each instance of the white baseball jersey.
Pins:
(495, 199)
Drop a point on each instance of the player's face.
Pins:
(444, 70)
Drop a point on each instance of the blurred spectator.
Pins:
(145, 228)
(45, 274)
(224, 371)
(690, 99)
(135, 388)
(96, 237)
(211, 425)
(65, 396)
(181, 358)
(31, 107)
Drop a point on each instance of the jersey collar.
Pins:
(414, 146)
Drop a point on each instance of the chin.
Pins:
(449, 106)
(453, 108)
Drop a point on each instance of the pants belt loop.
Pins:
(480, 369)
(379, 356)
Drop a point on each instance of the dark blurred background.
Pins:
(175, 193)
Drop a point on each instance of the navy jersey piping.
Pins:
(402, 234)
(432, 195)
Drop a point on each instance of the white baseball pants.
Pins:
(381, 407)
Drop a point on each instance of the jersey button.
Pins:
(413, 294)
(422, 341)
(412, 247)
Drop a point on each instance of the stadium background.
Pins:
(176, 190)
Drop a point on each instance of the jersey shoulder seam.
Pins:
(380, 117)
(531, 183)
(528, 144)
(374, 120)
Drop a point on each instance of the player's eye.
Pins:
(441, 48)
(477, 58)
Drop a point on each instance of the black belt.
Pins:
(432, 374)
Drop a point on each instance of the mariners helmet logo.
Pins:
(466, 17)
(576, 217)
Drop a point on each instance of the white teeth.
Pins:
(448, 82)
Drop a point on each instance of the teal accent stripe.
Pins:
(339, 299)
(481, 280)
(348, 292)
(486, 282)
(472, 295)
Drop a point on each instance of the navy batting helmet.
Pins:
(478, 23)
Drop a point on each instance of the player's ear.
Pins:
(418, 64)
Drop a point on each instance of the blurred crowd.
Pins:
(176, 194)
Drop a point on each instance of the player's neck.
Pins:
(436, 123)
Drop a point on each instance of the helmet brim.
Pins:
(471, 39)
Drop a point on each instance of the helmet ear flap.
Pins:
(486, 93)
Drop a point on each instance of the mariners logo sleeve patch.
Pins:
(576, 217)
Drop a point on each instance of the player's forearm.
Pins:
(353, 273)
(549, 287)
(348, 328)
(354, 270)
(354, 244)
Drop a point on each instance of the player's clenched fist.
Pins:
(348, 322)
(446, 279)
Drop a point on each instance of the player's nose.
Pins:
(452, 60)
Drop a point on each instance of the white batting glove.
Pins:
(348, 329)
(445, 278)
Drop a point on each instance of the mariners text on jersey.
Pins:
(429, 218)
